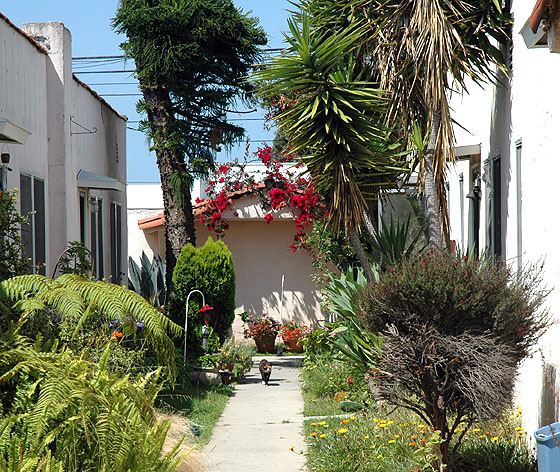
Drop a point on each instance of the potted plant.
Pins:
(293, 334)
(235, 359)
(263, 329)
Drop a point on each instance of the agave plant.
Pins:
(351, 337)
(148, 279)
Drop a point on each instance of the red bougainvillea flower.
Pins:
(268, 217)
(205, 308)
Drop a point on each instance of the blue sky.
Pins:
(90, 25)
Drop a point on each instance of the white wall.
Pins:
(527, 112)
(39, 94)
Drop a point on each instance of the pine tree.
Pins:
(191, 56)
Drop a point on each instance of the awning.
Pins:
(91, 180)
(463, 152)
(10, 133)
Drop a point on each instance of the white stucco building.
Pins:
(261, 257)
(67, 150)
(503, 188)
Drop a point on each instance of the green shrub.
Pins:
(454, 332)
(12, 260)
(210, 270)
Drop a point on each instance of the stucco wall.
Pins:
(39, 94)
(260, 254)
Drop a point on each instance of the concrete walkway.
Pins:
(260, 424)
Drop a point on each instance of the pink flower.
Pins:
(268, 217)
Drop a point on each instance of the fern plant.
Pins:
(77, 301)
(77, 415)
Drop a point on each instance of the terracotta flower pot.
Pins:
(265, 344)
(293, 345)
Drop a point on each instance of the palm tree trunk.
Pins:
(361, 254)
(433, 217)
(179, 219)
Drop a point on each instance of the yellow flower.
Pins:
(391, 441)
(322, 423)
(494, 439)
(345, 421)
(390, 422)
(313, 424)
(353, 418)
(382, 425)
(342, 431)
(375, 420)
(482, 436)
(313, 435)
(377, 435)
(519, 428)
(379, 456)
(476, 430)
(366, 436)
(397, 435)
(292, 448)
(322, 435)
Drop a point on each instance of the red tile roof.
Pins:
(198, 209)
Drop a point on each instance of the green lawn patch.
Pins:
(203, 405)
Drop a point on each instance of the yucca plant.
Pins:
(335, 123)
(148, 279)
(394, 242)
(78, 301)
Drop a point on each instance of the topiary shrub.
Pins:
(210, 270)
(454, 332)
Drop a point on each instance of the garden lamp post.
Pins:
(205, 331)
(187, 318)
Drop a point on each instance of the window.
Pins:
(32, 205)
(495, 220)
(116, 242)
(83, 218)
(96, 235)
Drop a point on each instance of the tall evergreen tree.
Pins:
(191, 56)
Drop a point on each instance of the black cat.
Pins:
(265, 368)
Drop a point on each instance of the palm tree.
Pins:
(335, 123)
(421, 50)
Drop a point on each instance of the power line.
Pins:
(120, 94)
(114, 83)
(84, 58)
(104, 71)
